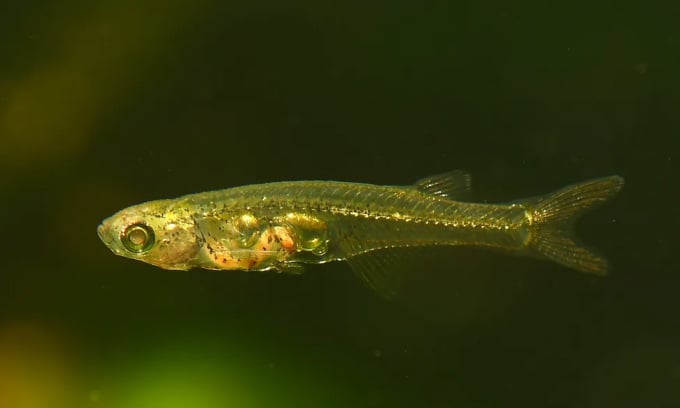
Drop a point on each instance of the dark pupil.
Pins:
(138, 238)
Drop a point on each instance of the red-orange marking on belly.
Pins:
(284, 238)
(274, 244)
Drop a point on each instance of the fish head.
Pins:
(160, 233)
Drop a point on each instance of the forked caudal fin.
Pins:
(552, 218)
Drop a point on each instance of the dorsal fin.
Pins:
(454, 185)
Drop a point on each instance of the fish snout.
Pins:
(100, 231)
(104, 233)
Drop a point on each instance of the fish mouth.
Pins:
(100, 232)
(104, 235)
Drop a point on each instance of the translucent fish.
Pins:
(281, 226)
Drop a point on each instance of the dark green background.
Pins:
(104, 105)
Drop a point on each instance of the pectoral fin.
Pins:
(291, 268)
(381, 270)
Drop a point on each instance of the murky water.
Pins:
(109, 104)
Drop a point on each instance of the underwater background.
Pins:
(108, 104)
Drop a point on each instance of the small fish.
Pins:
(281, 226)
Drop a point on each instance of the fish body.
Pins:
(280, 226)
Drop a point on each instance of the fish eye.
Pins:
(137, 238)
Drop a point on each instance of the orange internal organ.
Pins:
(275, 244)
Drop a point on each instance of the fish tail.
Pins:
(552, 218)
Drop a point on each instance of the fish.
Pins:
(282, 226)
